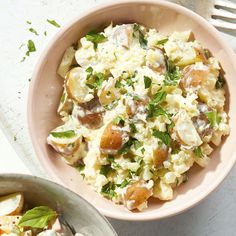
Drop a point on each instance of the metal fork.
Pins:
(217, 12)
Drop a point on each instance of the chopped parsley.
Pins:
(118, 84)
(31, 47)
(94, 80)
(28, 22)
(45, 33)
(119, 121)
(80, 167)
(33, 31)
(139, 34)
(95, 38)
(172, 75)
(147, 82)
(213, 118)
(220, 82)
(108, 190)
(124, 183)
(54, 23)
(133, 128)
(153, 109)
(198, 152)
(63, 134)
(137, 144)
(162, 41)
(163, 136)
(126, 147)
(129, 81)
(105, 169)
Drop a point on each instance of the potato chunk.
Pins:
(160, 154)
(112, 139)
(8, 222)
(137, 194)
(76, 87)
(11, 204)
(123, 35)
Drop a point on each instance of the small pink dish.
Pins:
(46, 87)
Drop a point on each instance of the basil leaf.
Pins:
(220, 82)
(95, 38)
(162, 41)
(54, 23)
(38, 217)
(105, 170)
(213, 118)
(147, 82)
(119, 121)
(108, 190)
(33, 31)
(163, 136)
(31, 47)
(63, 134)
(198, 152)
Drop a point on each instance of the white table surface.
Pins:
(215, 216)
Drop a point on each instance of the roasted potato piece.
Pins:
(136, 194)
(90, 114)
(123, 35)
(11, 204)
(76, 87)
(65, 104)
(193, 76)
(160, 154)
(201, 122)
(8, 222)
(112, 139)
(136, 106)
(66, 62)
(186, 131)
(108, 93)
(155, 60)
(65, 142)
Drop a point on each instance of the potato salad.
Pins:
(139, 108)
(18, 219)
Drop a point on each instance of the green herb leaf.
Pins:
(105, 169)
(162, 41)
(80, 167)
(28, 22)
(108, 190)
(213, 118)
(63, 134)
(94, 81)
(133, 128)
(31, 47)
(33, 31)
(163, 136)
(220, 82)
(159, 97)
(198, 152)
(138, 33)
(95, 38)
(89, 70)
(54, 23)
(173, 74)
(110, 158)
(124, 183)
(147, 82)
(45, 33)
(126, 147)
(137, 144)
(119, 121)
(118, 84)
(129, 81)
(38, 217)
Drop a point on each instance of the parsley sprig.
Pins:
(95, 38)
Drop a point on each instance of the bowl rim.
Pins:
(36, 179)
(172, 6)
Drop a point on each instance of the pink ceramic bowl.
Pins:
(46, 88)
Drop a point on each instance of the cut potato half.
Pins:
(65, 104)
(11, 204)
(186, 131)
(65, 142)
(66, 62)
(76, 87)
